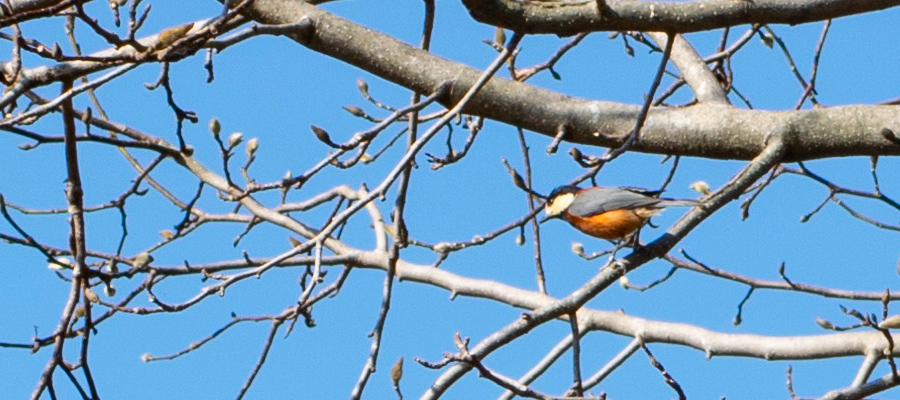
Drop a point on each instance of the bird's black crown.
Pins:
(563, 190)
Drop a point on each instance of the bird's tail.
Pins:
(679, 203)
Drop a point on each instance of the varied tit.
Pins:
(610, 213)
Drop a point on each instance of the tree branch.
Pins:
(569, 17)
(705, 130)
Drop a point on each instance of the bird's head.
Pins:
(559, 200)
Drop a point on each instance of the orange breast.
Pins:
(611, 225)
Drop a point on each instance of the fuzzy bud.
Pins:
(321, 134)
(767, 40)
(91, 296)
(499, 37)
(252, 146)
(824, 324)
(57, 51)
(141, 260)
(235, 139)
(112, 268)
(60, 264)
(892, 322)
(442, 247)
(355, 111)
(363, 87)
(215, 127)
(397, 372)
(701, 187)
(578, 248)
(87, 117)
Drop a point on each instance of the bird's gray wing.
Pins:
(599, 200)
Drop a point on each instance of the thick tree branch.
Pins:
(20, 6)
(569, 17)
(694, 70)
(862, 391)
(841, 344)
(713, 131)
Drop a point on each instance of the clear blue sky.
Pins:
(273, 89)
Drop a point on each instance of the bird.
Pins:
(605, 212)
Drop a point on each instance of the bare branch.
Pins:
(668, 378)
(571, 17)
(696, 130)
(696, 266)
(267, 345)
(694, 70)
(865, 369)
(612, 364)
(858, 392)
(542, 366)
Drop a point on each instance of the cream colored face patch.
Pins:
(559, 204)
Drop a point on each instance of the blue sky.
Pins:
(273, 89)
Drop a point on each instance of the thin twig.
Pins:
(576, 355)
(612, 364)
(535, 224)
(697, 266)
(790, 60)
(199, 343)
(542, 366)
(267, 345)
(811, 88)
(668, 378)
(634, 136)
(523, 74)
